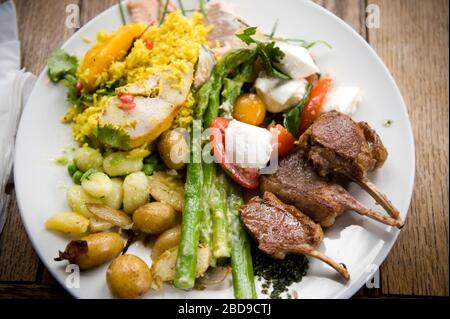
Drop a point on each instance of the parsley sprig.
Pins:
(269, 53)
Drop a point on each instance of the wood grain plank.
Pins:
(90, 9)
(32, 291)
(41, 29)
(413, 42)
(351, 11)
(18, 260)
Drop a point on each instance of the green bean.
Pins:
(192, 215)
(241, 258)
(218, 204)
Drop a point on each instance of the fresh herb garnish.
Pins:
(202, 7)
(388, 123)
(269, 53)
(180, 4)
(63, 67)
(278, 274)
(291, 119)
(61, 64)
(274, 29)
(166, 8)
(122, 14)
(113, 136)
(304, 43)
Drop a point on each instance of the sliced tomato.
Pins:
(285, 140)
(312, 110)
(246, 177)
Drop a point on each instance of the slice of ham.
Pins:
(146, 11)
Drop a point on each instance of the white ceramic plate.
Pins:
(360, 243)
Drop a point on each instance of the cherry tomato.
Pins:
(126, 98)
(149, 43)
(250, 109)
(312, 109)
(78, 88)
(246, 177)
(285, 140)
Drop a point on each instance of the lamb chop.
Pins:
(282, 229)
(296, 182)
(336, 145)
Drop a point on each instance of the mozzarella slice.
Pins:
(278, 94)
(247, 145)
(297, 62)
(342, 99)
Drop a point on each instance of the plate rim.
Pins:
(347, 291)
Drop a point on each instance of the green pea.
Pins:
(72, 168)
(76, 177)
(148, 169)
(151, 163)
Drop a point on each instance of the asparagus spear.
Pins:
(218, 204)
(228, 63)
(209, 173)
(241, 258)
(192, 215)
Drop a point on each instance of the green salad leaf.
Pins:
(291, 119)
(113, 136)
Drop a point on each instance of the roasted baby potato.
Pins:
(135, 191)
(154, 218)
(167, 189)
(128, 277)
(68, 222)
(173, 149)
(86, 158)
(168, 239)
(163, 268)
(92, 250)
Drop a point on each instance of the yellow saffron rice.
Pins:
(176, 46)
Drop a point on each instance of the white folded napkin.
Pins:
(15, 87)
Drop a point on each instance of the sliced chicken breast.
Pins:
(144, 123)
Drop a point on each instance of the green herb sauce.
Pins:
(278, 274)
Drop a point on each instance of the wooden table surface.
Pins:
(413, 42)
